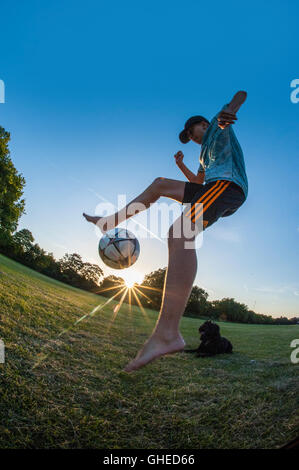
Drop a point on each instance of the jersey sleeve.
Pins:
(200, 168)
(213, 127)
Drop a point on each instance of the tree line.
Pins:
(198, 305)
(72, 270)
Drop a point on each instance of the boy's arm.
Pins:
(228, 115)
(189, 174)
(200, 178)
(200, 174)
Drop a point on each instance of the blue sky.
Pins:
(96, 94)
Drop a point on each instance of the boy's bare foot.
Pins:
(102, 224)
(154, 348)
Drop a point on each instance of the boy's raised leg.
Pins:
(173, 189)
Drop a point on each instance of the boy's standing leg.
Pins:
(180, 275)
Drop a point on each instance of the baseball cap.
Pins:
(184, 134)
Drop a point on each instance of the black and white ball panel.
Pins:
(119, 248)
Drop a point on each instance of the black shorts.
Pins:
(219, 198)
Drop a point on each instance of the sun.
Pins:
(130, 283)
(130, 277)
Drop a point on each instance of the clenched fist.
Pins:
(179, 157)
(226, 118)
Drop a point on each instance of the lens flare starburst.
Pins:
(131, 277)
(130, 288)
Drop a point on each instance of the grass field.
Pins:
(78, 396)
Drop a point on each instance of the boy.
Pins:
(222, 168)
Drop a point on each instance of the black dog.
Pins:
(211, 341)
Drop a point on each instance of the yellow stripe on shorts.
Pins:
(207, 199)
(202, 198)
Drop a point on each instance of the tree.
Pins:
(92, 274)
(281, 321)
(198, 304)
(11, 189)
(229, 309)
(24, 240)
(152, 286)
(70, 266)
(110, 285)
(79, 274)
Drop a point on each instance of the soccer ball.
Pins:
(119, 248)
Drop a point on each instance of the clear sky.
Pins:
(96, 94)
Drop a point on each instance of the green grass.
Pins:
(80, 397)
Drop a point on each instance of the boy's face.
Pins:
(197, 131)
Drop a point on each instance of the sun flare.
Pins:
(130, 277)
(126, 289)
(130, 283)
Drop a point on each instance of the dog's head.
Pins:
(208, 330)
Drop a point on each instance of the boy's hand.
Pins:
(226, 118)
(228, 115)
(179, 158)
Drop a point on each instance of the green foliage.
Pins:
(229, 309)
(24, 240)
(79, 274)
(11, 189)
(198, 305)
(155, 281)
(110, 285)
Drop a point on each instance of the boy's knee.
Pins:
(157, 181)
(158, 185)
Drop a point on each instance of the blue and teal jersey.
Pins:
(221, 155)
